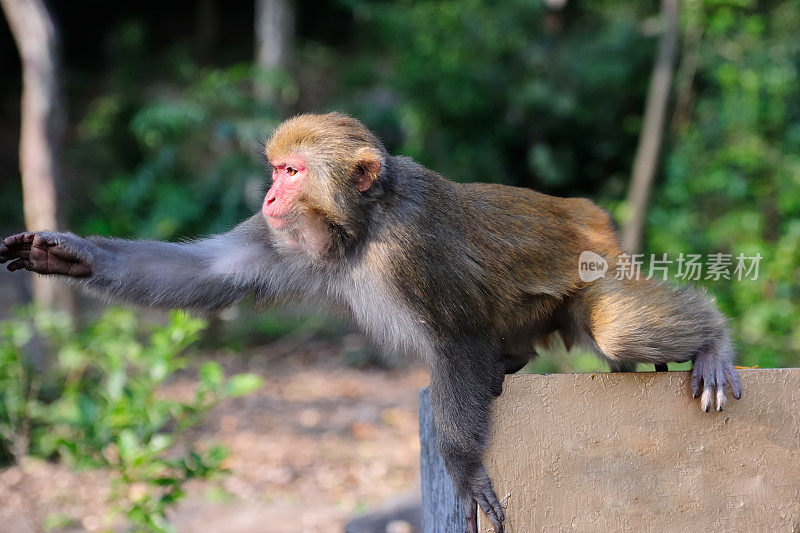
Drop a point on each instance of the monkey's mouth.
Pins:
(277, 221)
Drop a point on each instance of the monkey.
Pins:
(471, 277)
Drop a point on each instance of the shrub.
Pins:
(99, 405)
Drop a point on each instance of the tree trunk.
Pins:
(688, 64)
(646, 158)
(274, 32)
(206, 30)
(41, 128)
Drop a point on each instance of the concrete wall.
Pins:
(633, 452)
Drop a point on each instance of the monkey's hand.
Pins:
(481, 493)
(45, 252)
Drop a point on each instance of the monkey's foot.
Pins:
(483, 495)
(709, 376)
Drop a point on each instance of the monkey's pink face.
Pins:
(288, 176)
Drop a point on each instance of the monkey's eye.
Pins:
(291, 171)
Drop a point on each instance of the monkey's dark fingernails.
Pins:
(736, 388)
(733, 380)
(696, 389)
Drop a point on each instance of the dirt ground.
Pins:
(320, 442)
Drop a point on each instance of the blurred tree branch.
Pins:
(207, 30)
(689, 63)
(41, 128)
(274, 34)
(646, 158)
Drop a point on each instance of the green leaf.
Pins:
(216, 455)
(128, 444)
(242, 384)
(211, 375)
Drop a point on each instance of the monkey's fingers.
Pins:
(7, 254)
(733, 380)
(20, 239)
(714, 373)
(484, 496)
(488, 501)
(471, 510)
(20, 264)
(13, 246)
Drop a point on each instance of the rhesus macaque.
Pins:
(471, 277)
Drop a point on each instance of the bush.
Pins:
(176, 154)
(99, 405)
(733, 175)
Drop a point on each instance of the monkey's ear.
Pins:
(367, 169)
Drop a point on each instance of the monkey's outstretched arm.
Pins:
(206, 274)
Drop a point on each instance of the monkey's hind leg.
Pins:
(642, 321)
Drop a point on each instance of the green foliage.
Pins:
(198, 160)
(509, 92)
(733, 174)
(101, 405)
(172, 149)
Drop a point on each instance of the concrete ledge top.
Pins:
(634, 452)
